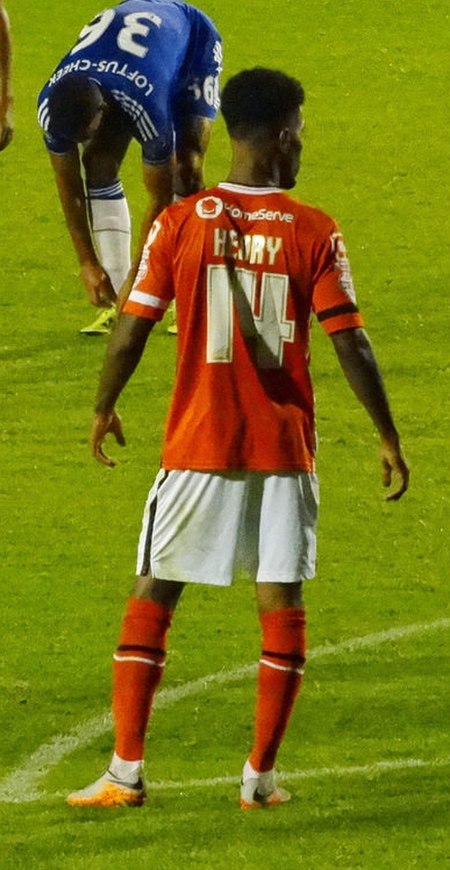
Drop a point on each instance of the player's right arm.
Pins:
(67, 170)
(6, 123)
(360, 367)
(125, 349)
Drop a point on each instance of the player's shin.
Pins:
(111, 230)
(279, 680)
(138, 667)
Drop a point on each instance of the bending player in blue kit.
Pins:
(145, 70)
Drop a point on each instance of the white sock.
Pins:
(111, 230)
(129, 771)
(266, 782)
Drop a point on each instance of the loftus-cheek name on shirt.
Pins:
(250, 248)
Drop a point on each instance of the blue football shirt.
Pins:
(159, 60)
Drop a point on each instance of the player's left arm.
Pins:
(193, 138)
(125, 349)
(159, 183)
(6, 100)
(360, 367)
(196, 107)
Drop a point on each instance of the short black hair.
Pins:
(72, 104)
(259, 100)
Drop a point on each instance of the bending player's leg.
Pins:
(137, 670)
(108, 211)
(111, 229)
(283, 624)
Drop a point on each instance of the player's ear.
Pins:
(284, 140)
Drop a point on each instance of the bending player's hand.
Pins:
(393, 469)
(6, 134)
(98, 286)
(102, 425)
(6, 124)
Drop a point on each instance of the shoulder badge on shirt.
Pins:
(343, 265)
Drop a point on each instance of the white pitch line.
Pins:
(368, 770)
(21, 784)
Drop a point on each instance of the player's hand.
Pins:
(394, 469)
(6, 123)
(6, 134)
(98, 286)
(102, 425)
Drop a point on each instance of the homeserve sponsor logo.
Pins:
(261, 214)
(210, 207)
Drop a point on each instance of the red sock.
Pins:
(279, 680)
(137, 671)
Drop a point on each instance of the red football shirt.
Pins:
(247, 267)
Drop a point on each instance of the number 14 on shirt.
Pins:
(230, 289)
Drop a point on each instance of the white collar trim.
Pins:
(243, 188)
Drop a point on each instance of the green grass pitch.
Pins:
(366, 754)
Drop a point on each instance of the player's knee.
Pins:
(101, 170)
(277, 596)
(165, 592)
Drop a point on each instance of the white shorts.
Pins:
(200, 527)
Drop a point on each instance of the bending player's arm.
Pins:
(125, 349)
(71, 193)
(360, 367)
(159, 181)
(192, 142)
(179, 176)
(6, 101)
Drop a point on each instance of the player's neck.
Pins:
(248, 179)
(251, 169)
